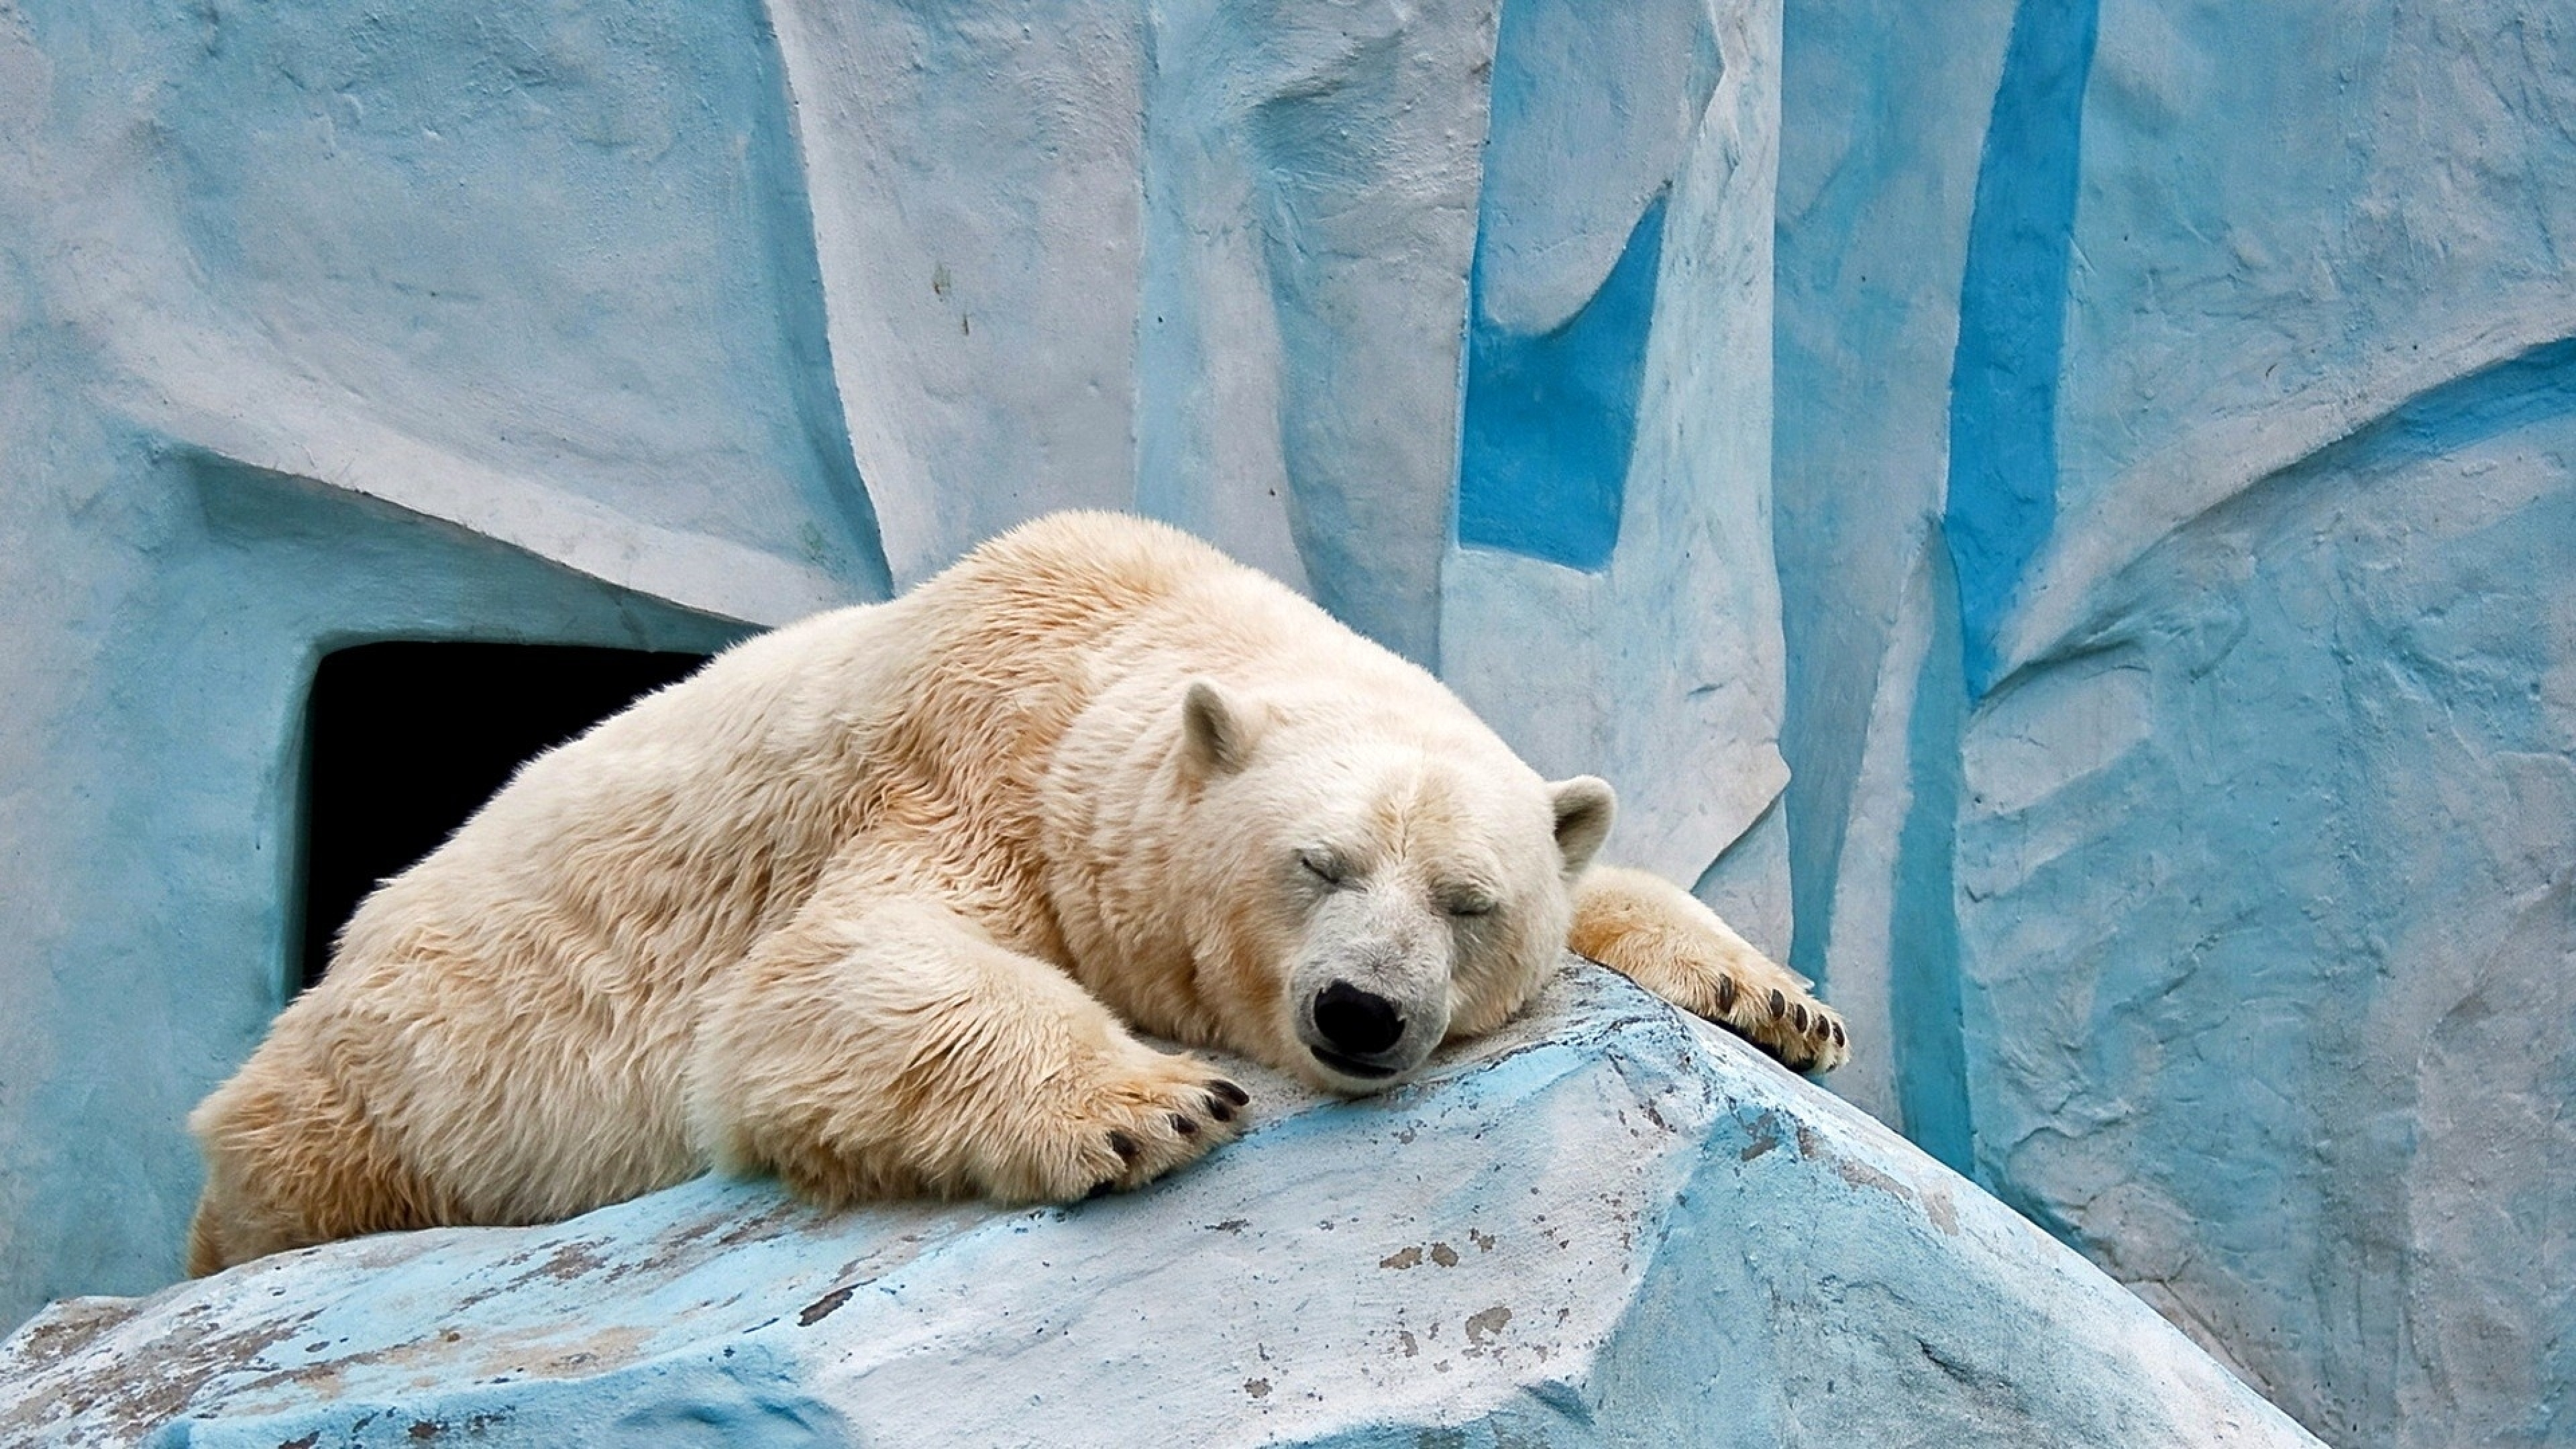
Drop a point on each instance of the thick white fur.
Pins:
(874, 902)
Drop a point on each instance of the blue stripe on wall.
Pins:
(2012, 318)
(1923, 997)
(784, 215)
(1551, 419)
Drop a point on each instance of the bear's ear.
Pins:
(1584, 806)
(1215, 733)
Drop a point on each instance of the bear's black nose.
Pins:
(1359, 1022)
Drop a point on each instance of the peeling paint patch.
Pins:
(1861, 1174)
(1764, 1128)
(1484, 1327)
(825, 1306)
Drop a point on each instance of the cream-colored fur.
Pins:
(878, 901)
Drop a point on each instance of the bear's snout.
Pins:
(1362, 1023)
(1356, 1025)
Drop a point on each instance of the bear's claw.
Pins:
(1808, 1037)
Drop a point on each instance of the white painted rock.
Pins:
(1608, 1225)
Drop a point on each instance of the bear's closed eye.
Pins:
(1324, 866)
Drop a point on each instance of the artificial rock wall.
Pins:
(2124, 652)
(2176, 529)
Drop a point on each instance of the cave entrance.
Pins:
(404, 740)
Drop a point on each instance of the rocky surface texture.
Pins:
(2178, 551)
(1607, 1225)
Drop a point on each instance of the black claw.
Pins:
(1779, 1004)
(1184, 1125)
(1798, 1014)
(1839, 1039)
(1125, 1146)
(1230, 1092)
(1219, 1108)
(1725, 994)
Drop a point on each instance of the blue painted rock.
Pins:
(1608, 1224)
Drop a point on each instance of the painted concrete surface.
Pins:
(1607, 1225)
(2292, 808)
(2195, 734)
(1201, 260)
(2290, 736)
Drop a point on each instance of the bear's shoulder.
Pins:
(1066, 576)
(1109, 551)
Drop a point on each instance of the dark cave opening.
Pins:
(406, 740)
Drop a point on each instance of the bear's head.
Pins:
(1375, 877)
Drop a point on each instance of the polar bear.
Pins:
(879, 902)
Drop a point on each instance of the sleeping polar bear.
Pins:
(876, 902)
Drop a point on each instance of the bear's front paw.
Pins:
(1790, 1024)
(1744, 991)
(1660, 937)
(1119, 1125)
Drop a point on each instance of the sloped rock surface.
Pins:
(1608, 1225)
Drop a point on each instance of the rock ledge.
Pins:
(1607, 1225)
